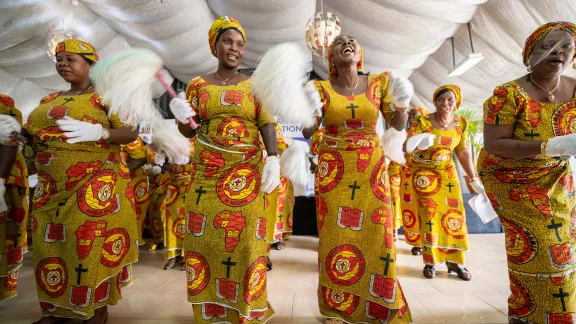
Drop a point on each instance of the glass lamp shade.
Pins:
(321, 30)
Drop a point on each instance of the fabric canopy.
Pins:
(410, 38)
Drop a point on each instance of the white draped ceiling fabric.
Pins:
(410, 38)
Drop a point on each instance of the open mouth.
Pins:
(348, 49)
(232, 57)
(555, 61)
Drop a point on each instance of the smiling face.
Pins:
(445, 102)
(553, 53)
(230, 48)
(73, 68)
(345, 51)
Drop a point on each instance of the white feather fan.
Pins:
(169, 141)
(294, 163)
(392, 143)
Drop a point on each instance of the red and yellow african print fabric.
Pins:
(13, 236)
(395, 176)
(357, 256)
(140, 185)
(84, 224)
(226, 235)
(534, 198)
(432, 207)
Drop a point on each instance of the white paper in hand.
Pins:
(482, 206)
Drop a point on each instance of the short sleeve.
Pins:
(263, 116)
(464, 135)
(7, 108)
(386, 106)
(417, 127)
(192, 96)
(501, 107)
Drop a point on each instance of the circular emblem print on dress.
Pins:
(440, 154)
(98, 197)
(172, 193)
(345, 265)
(408, 218)
(45, 189)
(454, 224)
(564, 119)
(427, 182)
(179, 228)
(197, 273)
(330, 170)
(115, 248)
(412, 237)
(520, 302)
(521, 245)
(380, 182)
(255, 280)
(11, 280)
(342, 301)
(52, 276)
(141, 191)
(239, 185)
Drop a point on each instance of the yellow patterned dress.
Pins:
(534, 198)
(84, 229)
(225, 241)
(156, 207)
(140, 184)
(13, 236)
(177, 191)
(433, 209)
(357, 256)
(394, 173)
(286, 199)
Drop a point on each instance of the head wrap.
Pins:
(455, 89)
(221, 25)
(79, 47)
(333, 72)
(421, 110)
(541, 32)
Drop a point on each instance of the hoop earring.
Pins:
(529, 68)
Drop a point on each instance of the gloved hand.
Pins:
(421, 141)
(8, 124)
(3, 206)
(153, 169)
(402, 91)
(314, 98)
(561, 145)
(181, 109)
(79, 131)
(181, 160)
(33, 180)
(477, 186)
(159, 159)
(271, 174)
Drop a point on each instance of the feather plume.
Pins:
(294, 163)
(279, 80)
(168, 139)
(392, 144)
(125, 81)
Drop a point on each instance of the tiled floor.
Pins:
(159, 296)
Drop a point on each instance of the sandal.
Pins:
(429, 272)
(173, 262)
(416, 250)
(462, 273)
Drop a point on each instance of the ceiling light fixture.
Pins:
(470, 61)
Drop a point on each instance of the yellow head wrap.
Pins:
(219, 26)
(333, 72)
(541, 32)
(455, 89)
(79, 47)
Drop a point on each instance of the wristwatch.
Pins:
(105, 133)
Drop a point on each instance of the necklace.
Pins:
(80, 92)
(226, 80)
(444, 125)
(550, 93)
(355, 87)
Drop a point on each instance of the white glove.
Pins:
(159, 159)
(33, 180)
(421, 141)
(561, 145)
(181, 160)
(314, 98)
(8, 124)
(402, 91)
(477, 186)
(181, 109)
(79, 131)
(271, 174)
(3, 206)
(155, 170)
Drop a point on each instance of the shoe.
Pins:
(462, 273)
(416, 250)
(429, 272)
